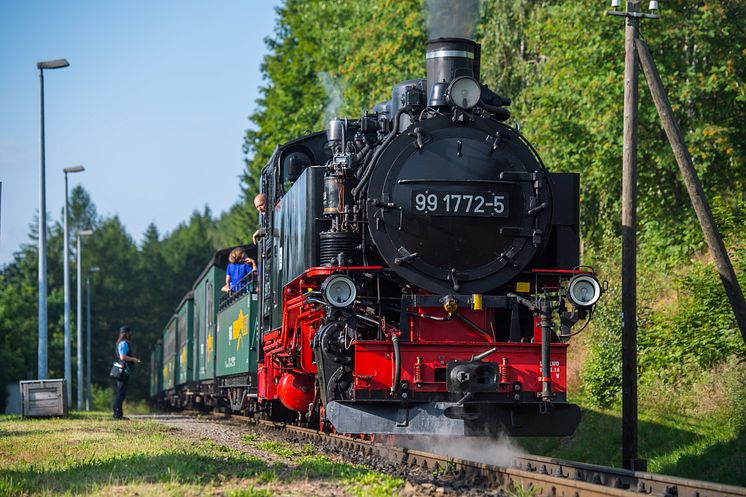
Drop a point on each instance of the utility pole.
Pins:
(637, 50)
(632, 17)
(694, 187)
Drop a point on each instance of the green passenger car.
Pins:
(185, 333)
(236, 335)
(156, 363)
(206, 299)
(169, 355)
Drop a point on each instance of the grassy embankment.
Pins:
(692, 377)
(705, 447)
(92, 454)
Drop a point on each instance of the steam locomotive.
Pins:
(419, 275)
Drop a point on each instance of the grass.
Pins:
(279, 448)
(519, 490)
(674, 441)
(311, 466)
(251, 492)
(360, 480)
(103, 398)
(90, 454)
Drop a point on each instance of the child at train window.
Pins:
(239, 268)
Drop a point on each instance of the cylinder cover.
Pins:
(296, 391)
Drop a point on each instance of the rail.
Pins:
(548, 477)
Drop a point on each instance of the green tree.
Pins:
(115, 302)
(509, 62)
(329, 58)
(18, 321)
(138, 287)
(572, 109)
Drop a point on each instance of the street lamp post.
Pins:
(79, 315)
(42, 364)
(88, 337)
(66, 275)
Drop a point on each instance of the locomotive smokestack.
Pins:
(449, 58)
(450, 51)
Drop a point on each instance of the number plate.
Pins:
(433, 203)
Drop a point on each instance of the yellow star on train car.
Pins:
(240, 328)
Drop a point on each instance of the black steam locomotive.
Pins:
(420, 268)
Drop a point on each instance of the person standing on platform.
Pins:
(122, 352)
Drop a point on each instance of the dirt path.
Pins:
(303, 469)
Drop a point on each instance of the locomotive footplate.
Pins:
(536, 419)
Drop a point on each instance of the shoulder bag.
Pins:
(118, 371)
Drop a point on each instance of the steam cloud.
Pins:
(500, 451)
(451, 18)
(334, 88)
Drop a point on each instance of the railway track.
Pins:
(547, 476)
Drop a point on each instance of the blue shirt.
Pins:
(123, 348)
(236, 273)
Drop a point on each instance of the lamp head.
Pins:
(94, 269)
(52, 64)
(74, 169)
(339, 290)
(85, 232)
(584, 290)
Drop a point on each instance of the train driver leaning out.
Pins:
(260, 202)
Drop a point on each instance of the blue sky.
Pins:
(154, 105)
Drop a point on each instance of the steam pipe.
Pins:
(546, 336)
(365, 159)
(397, 364)
(484, 354)
(363, 152)
(501, 113)
(474, 326)
(366, 175)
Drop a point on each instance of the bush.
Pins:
(602, 371)
(696, 328)
(685, 322)
(101, 398)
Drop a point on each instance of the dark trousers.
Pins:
(120, 391)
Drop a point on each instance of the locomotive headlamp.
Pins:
(583, 290)
(339, 290)
(464, 92)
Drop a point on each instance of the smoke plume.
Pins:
(334, 88)
(500, 451)
(451, 18)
